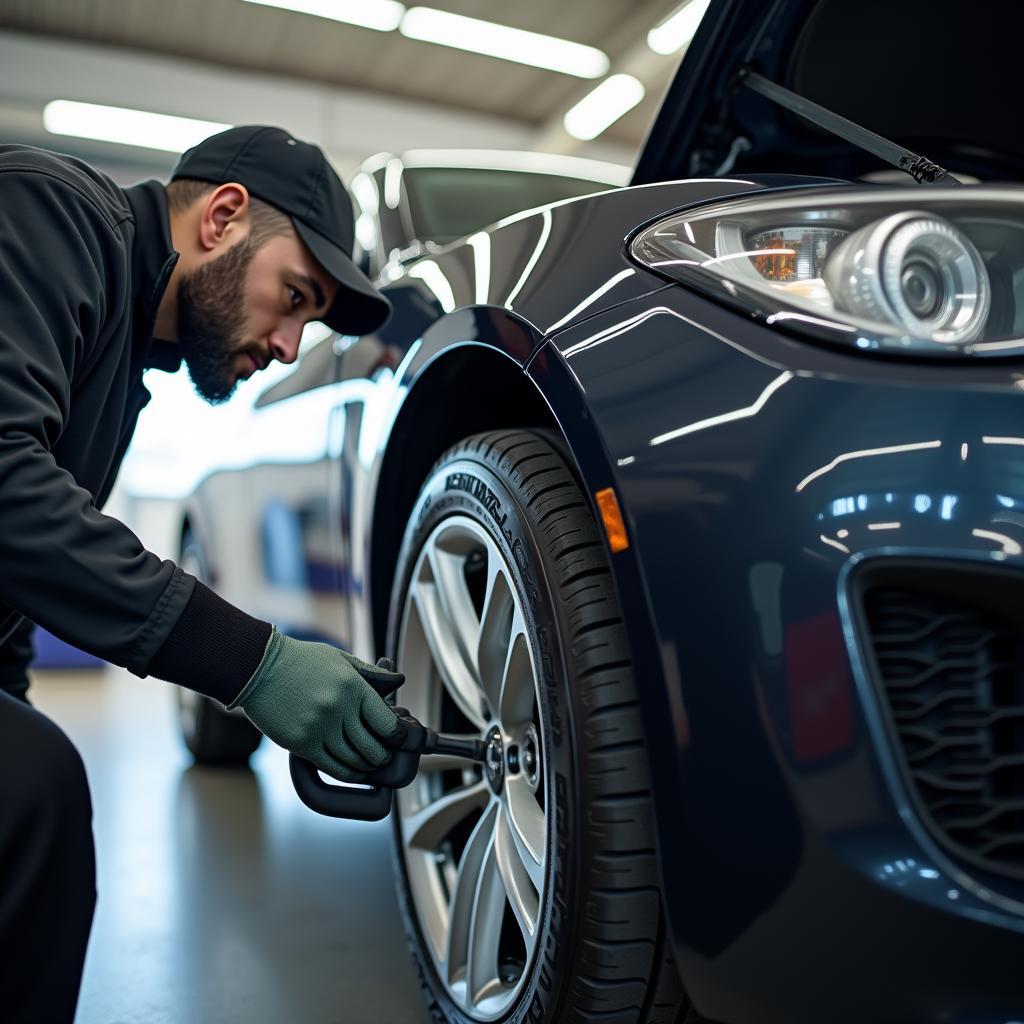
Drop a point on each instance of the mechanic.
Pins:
(221, 268)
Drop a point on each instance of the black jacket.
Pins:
(83, 266)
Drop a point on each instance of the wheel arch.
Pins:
(496, 389)
(491, 391)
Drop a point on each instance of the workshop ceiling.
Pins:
(236, 34)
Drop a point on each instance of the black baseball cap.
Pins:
(295, 177)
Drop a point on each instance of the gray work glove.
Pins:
(315, 701)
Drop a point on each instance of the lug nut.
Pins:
(513, 759)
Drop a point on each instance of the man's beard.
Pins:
(211, 321)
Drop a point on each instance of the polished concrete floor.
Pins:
(221, 898)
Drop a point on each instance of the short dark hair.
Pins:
(267, 221)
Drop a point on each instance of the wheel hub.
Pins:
(494, 761)
(529, 758)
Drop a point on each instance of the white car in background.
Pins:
(407, 206)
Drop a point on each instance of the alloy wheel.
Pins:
(474, 838)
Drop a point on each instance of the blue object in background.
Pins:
(54, 653)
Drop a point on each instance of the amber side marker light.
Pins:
(611, 517)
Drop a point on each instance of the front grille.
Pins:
(952, 672)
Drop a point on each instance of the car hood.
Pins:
(933, 76)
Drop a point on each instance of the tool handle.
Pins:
(340, 801)
(385, 689)
(371, 799)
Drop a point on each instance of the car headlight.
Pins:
(936, 273)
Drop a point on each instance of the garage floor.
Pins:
(221, 898)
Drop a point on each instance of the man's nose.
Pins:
(284, 344)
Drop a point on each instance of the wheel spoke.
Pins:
(482, 979)
(523, 894)
(456, 675)
(460, 911)
(427, 827)
(517, 694)
(495, 629)
(528, 829)
(448, 569)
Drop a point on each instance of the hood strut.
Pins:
(920, 168)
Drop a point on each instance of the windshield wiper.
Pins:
(920, 168)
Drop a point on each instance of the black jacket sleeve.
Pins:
(64, 273)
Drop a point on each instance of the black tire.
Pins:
(603, 953)
(212, 735)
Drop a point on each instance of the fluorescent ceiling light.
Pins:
(127, 127)
(433, 277)
(382, 15)
(365, 191)
(393, 183)
(676, 31)
(515, 44)
(603, 106)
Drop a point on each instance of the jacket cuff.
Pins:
(273, 645)
(214, 648)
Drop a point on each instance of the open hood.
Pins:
(937, 77)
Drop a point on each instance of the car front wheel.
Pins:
(529, 883)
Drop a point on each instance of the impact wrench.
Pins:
(370, 799)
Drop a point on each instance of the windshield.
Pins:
(449, 202)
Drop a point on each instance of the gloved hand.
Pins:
(315, 701)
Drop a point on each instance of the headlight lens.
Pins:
(945, 277)
(916, 271)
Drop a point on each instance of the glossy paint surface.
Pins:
(754, 471)
(555, 266)
(320, 437)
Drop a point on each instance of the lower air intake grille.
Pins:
(952, 671)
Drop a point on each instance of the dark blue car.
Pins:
(702, 502)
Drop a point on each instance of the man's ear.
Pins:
(224, 217)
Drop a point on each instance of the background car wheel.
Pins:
(529, 886)
(212, 735)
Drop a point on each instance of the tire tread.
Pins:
(623, 971)
(616, 820)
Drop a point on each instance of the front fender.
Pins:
(463, 375)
